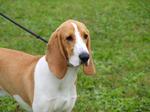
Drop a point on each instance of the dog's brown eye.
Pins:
(85, 36)
(69, 38)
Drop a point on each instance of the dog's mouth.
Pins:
(71, 65)
(81, 63)
(78, 62)
(84, 63)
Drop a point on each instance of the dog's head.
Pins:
(70, 45)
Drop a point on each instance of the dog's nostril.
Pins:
(84, 57)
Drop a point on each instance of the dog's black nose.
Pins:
(84, 57)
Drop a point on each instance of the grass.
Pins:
(120, 32)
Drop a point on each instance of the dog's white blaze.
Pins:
(79, 47)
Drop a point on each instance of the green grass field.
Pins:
(120, 32)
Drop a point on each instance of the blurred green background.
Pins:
(120, 32)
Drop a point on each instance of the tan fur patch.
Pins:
(16, 73)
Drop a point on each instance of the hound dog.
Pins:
(47, 83)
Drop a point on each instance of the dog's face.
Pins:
(74, 36)
(70, 45)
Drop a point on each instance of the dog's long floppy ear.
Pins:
(55, 56)
(89, 69)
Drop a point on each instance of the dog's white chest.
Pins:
(61, 103)
(52, 94)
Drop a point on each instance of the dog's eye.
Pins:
(69, 38)
(85, 36)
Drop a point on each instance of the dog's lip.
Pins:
(81, 63)
(71, 65)
(86, 64)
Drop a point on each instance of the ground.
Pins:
(120, 32)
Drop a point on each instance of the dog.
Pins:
(47, 83)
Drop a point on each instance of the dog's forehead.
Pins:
(68, 25)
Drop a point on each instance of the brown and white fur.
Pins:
(47, 83)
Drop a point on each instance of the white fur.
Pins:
(52, 94)
(23, 104)
(3, 93)
(79, 47)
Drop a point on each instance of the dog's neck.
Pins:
(53, 89)
(67, 81)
